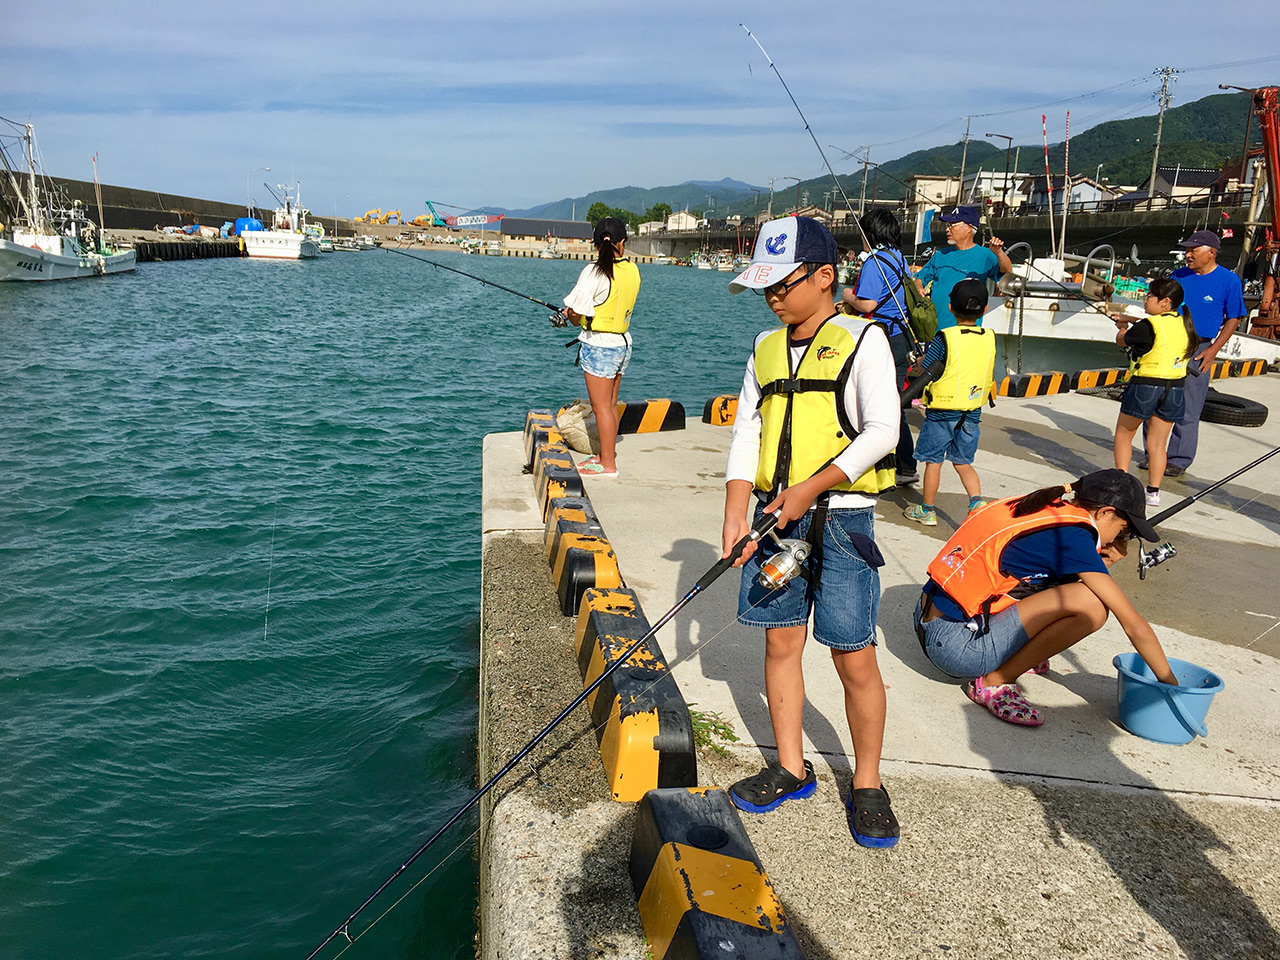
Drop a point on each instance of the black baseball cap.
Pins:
(609, 228)
(969, 296)
(1123, 491)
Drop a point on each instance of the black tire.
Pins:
(1113, 392)
(1232, 411)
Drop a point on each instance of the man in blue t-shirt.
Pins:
(1215, 298)
(961, 258)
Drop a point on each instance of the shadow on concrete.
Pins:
(735, 656)
(589, 901)
(897, 608)
(1154, 847)
(1056, 454)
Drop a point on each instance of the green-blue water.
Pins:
(239, 575)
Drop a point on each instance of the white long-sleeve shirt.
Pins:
(870, 400)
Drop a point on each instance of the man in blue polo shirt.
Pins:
(960, 258)
(1215, 298)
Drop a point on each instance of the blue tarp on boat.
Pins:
(244, 224)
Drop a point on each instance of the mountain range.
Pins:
(1203, 133)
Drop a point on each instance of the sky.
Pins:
(513, 104)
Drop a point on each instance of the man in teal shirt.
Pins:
(961, 258)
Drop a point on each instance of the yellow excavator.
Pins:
(389, 216)
(372, 216)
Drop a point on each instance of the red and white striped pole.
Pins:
(1048, 181)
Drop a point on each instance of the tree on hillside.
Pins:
(659, 211)
(599, 211)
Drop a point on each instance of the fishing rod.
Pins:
(1166, 551)
(902, 312)
(762, 527)
(556, 311)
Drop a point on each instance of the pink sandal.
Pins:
(1005, 702)
(1041, 669)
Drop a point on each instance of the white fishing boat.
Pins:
(51, 239)
(1048, 319)
(287, 238)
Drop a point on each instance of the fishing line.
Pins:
(762, 527)
(487, 283)
(271, 557)
(902, 312)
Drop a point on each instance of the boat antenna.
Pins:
(762, 527)
(487, 283)
(848, 206)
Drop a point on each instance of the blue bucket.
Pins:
(1157, 711)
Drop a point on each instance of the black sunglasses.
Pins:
(781, 287)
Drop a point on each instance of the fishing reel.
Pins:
(1154, 557)
(783, 567)
(558, 319)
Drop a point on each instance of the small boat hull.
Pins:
(279, 245)
(25, 264)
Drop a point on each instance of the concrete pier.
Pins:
(1076, 839)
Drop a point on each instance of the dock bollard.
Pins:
(641, 721)
(580, 555)
(699, 885)
(650, 416)
(720, 411)
(554, 475)
(539, 427)
(1106, 377)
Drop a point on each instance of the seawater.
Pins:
(240, 580)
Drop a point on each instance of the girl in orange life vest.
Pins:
(1025, 578)
(601, 303)
(1160, 347)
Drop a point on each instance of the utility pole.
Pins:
(964, 156)
(1165, 74)
(768, 214)
(862, 200)
(1004, 190)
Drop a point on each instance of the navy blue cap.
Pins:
(1201, 238)
(967, 215)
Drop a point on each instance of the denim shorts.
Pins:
(1146, 400)
(960, 652)
(605, 362)
(844, 605)
(954, 440)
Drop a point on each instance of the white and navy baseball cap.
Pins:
(781, 246)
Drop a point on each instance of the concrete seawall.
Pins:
(1073, 840)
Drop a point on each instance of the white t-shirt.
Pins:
(870, 401)
(591, 290)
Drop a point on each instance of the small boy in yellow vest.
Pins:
(959, 364)
(813, 440)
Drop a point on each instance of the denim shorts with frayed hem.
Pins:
(954, 440)
(605, 362)
(844, 605)
(1146, 400)
(960, 652)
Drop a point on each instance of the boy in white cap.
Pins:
(817, 424)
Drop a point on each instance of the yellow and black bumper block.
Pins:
(1248, 368)
(700, 887)
(579, 554)
(1033, 385)
(554, 475)
(1108, 377)
(720, 411)
(650, 416)
(539, 428)
(639, 715)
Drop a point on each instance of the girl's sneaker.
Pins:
(1153, 498)
(921, 514)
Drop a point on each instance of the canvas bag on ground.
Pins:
(577, 424)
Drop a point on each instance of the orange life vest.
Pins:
(968, 568)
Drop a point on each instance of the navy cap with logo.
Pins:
(969, 296)
(1121, 490)
(1201, 238)
(781, 246)
(967, 215)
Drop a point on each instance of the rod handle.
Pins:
(763, 526)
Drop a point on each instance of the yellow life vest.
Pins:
(804, 426)
(971, 361)
(1167, 360)
(614, 315)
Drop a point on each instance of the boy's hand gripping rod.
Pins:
(1166, 551)
(763, 526)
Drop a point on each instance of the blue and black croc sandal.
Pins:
(871, 821)
(772, 787)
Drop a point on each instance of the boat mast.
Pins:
(37, 217)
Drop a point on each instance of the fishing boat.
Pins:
(52, 239)
(287, 239)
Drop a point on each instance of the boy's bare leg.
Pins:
(932, 480)
(784, 691)
(864, 705)
(603, 394)
(969, 479)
